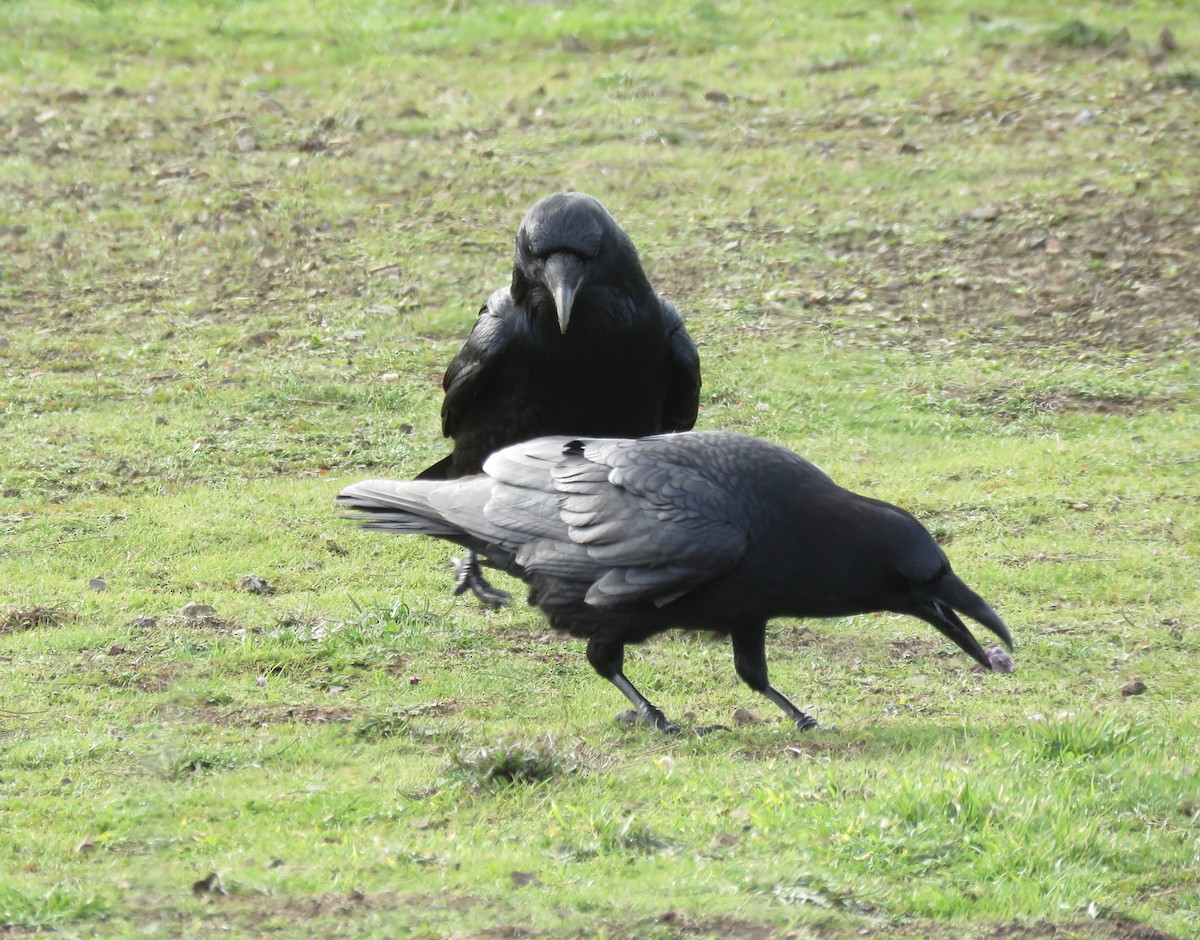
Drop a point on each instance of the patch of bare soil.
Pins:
(545, 645)
(1061, 401)
(31, 618)
(1115, 929)
(803, 746)
(684, 925)
(1107, 261)
(262, 716)
(1111, 271)
(232, 910)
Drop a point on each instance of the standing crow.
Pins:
(579, 343)
(622, 539)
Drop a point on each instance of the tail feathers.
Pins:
(939, 608)
(395, 506)
(442, 470)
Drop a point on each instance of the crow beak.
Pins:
(938, 609)
(950, 625)
(563, 276)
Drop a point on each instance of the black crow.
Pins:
(621, 539)
(579, 343)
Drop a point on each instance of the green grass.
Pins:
(947, 251)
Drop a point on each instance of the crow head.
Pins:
(566, 242)
(910, 574)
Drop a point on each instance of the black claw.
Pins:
(651, 719)
(468, 577)
(806, 722)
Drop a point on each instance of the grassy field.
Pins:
(949, 251)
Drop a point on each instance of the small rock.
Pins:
(209, 884)
(253, 584)
(116, 649)
(261, 681)
(984, 213)
(196, 611)
(1086, 117)
(258, 339)
(1134, 686)
(1188, 807)
(1167, 41)
(716, 97)
(522, 878)
(1000, 660)
(144, 623)
(747, 716)
(96, 584)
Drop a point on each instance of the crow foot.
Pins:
(651, 718)
(468, 577)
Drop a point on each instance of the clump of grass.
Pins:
(806, 888)
(1188, 79)
(630, 835)
(179, 767)
(398, 723)
(1082, 739)
(1080, 35)
(508, 762)
(21, 910)
(31, 618)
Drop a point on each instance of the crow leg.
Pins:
(750, 661)
(607, 658)
(468, 576)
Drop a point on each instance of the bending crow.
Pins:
(622, 539)
(579, 343)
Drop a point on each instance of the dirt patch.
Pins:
(1116, 929)
(1123, 272)
(236, 910)
(1014, 400)
(545, 646)
(678, 924)
(802, 746)
(148, 679)
(32, 618)
(262, 716)
(1061, 401)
